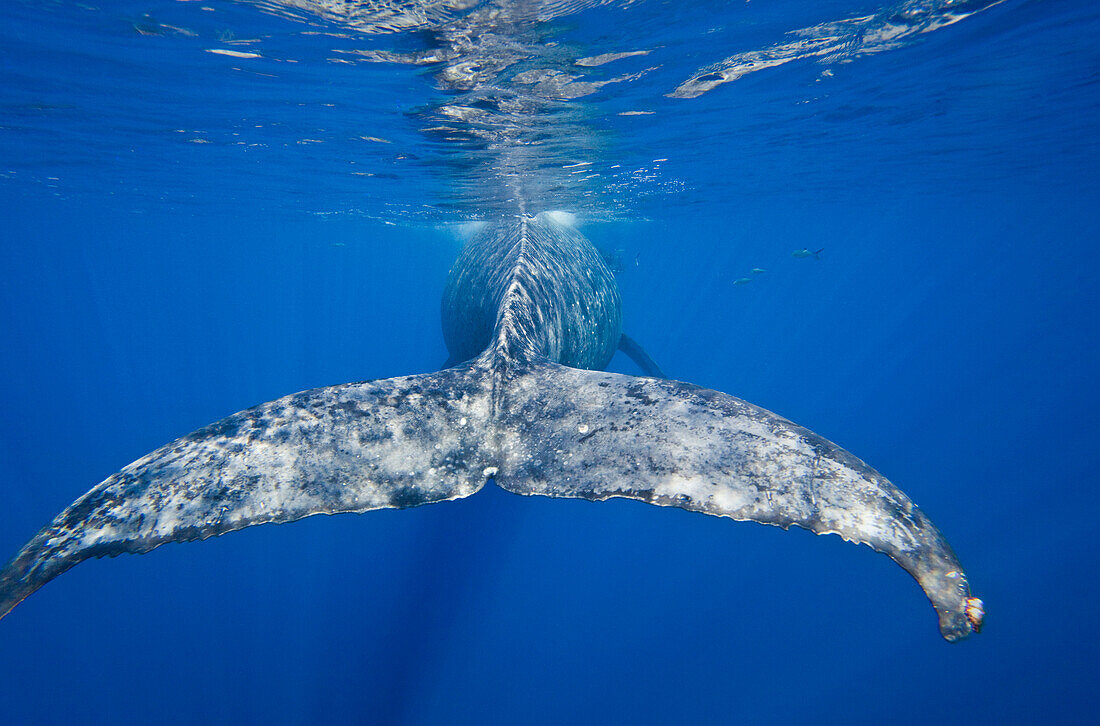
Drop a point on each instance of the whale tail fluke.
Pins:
(391, 443)
(533, 427)
(573, 433)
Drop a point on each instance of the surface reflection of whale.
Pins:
(534, 314)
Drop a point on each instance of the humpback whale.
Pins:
(531, 315)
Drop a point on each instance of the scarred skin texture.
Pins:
(535, 312)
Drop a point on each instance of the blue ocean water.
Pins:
(212, 204)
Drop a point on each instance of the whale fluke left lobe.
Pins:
(390, 443)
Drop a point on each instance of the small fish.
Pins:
(152, 27)
(637, 260)
(807, 253)
(758, 270)
(742, 281)
(339, 244)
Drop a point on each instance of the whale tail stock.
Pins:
(534, 428)
(630, 347)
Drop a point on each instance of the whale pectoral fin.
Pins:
(637, 353)
(451, 362)
(573, 433)
(397, 442)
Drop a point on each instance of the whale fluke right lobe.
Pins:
(593, 435)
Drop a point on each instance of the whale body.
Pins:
(531, 315)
